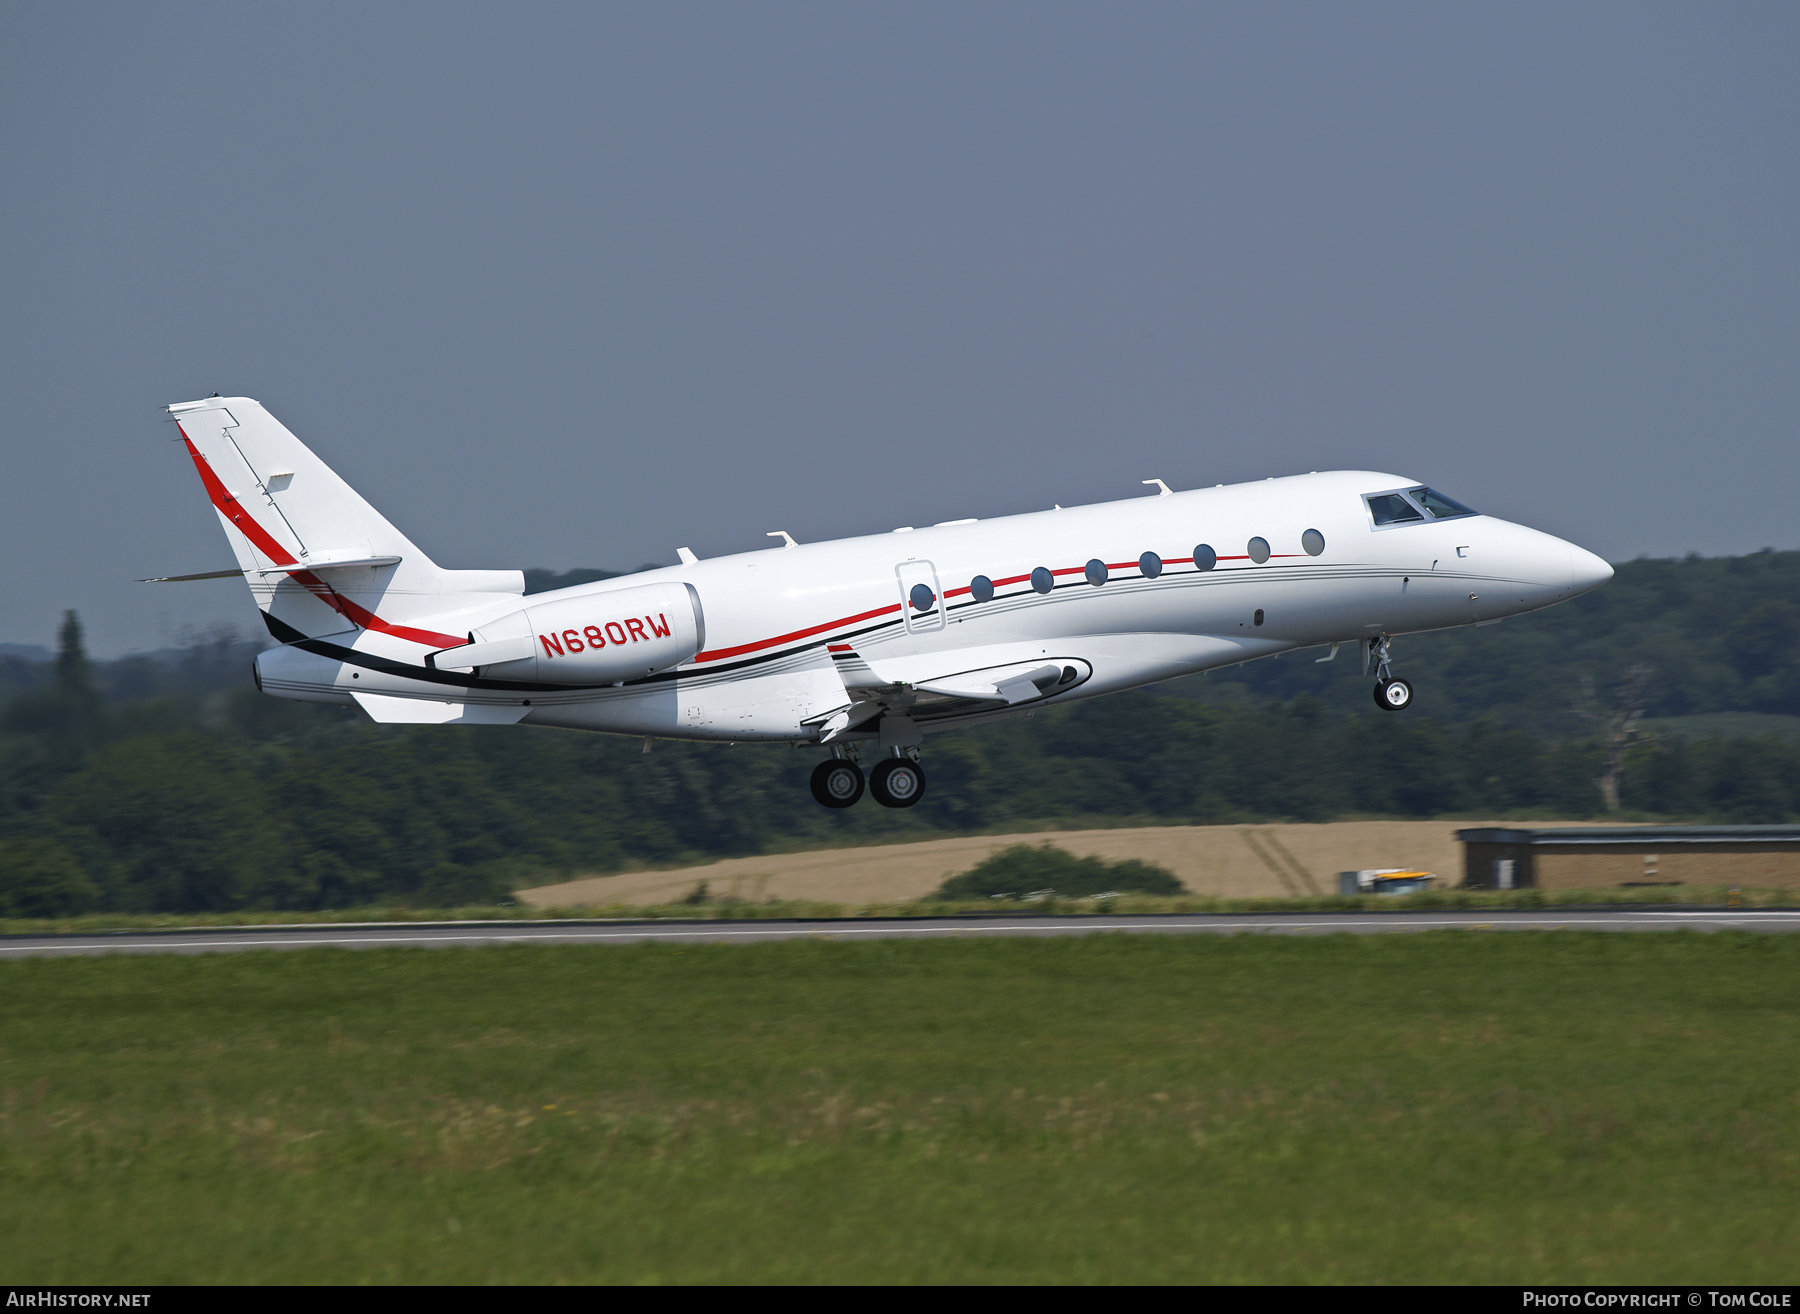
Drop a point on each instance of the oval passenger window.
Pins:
(1042, 580)
(1150, 565)
(981, 588)
(1205, 558)
(1095, 572)
(1313, 541)
(1258, 548)
(922, 597)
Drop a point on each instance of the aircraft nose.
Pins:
(1586, 571)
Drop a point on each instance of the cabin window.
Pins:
(1042, 580)
(1150, 565)
(1095, 570)
(923, 599)
(1313, 541)
(1392, 509)
(981, 588)
(1441, 507)
(1258, 548)
(1204, 557)
(1258, 616)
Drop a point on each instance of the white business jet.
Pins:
(862, 643)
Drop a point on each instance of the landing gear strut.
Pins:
(1392, 694)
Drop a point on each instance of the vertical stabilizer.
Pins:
(319, 559)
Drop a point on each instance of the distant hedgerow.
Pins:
(1046, 869)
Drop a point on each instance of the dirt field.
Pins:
(1232, 861)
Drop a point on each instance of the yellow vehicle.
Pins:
(1384, 880)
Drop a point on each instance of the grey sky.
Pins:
(575, 285)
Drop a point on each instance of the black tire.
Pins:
(897, 782)
(1393, 695)
(837, 782)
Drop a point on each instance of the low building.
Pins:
(1613, 857)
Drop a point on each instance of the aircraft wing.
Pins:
(977, 674)
(1006, 684)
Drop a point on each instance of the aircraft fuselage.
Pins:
(772, 618)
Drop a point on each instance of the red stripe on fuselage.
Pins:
(718, 653)
(246, 524)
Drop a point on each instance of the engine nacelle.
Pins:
(598, 638)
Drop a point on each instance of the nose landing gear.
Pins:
(1392, 694)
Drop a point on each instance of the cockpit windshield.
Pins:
(1392, 509)
(1441, 507)
(1413, 506)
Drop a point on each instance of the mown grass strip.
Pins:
(1444, 1107)
(785, 909)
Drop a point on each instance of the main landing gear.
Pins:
(895, 782)
(1392, 694)
(837, 782)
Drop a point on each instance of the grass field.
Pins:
(1443, 1107)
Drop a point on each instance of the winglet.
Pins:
(852, 669)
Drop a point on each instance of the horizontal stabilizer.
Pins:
(323, 562)
(182, 579)
(329, 561)
(427, 711)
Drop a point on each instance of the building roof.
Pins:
(1601, 836)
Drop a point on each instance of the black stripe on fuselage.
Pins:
(287, 634)
(423, 674)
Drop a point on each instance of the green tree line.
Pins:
(1720, 634)
(171, 785)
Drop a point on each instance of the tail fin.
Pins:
(315, 554)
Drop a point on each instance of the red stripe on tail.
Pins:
(246, 524)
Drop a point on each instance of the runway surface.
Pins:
(437, 935)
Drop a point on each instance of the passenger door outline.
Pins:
(908, 574)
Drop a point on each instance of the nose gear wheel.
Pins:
(1391, 693)
(1394, 695)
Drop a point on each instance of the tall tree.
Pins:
(1619, 730)
(74, 676)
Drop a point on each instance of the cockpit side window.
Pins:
(1441, 507)
(1391, 508)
